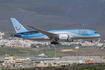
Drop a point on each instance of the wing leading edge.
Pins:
(50, 35)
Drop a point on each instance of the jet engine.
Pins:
(63, 37)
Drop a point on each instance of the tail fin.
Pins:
(17, 26)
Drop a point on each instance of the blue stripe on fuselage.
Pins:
(34, 35)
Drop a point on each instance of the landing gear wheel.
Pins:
(54, 43)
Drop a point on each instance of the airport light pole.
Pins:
(55, 50)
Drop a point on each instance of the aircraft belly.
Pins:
(84, 37)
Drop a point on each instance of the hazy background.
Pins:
(53, 14)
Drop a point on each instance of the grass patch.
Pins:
(98, 67)
(51, 52)
(14, 51)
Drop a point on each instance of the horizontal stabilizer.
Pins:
(15, 34)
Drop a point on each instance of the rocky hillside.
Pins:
(44, 15)
(53, 14)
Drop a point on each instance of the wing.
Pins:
(50, 35)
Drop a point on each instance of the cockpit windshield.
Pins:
(95, 32)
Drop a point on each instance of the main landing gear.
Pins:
(54, 42)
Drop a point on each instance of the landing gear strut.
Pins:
(54, 41)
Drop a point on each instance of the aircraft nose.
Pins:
(98, 35)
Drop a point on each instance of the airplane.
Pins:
(54, 36)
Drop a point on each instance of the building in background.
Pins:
(1, 35)
(9, 60)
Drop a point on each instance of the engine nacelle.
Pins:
(63, 37)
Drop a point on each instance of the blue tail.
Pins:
(17, 26)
